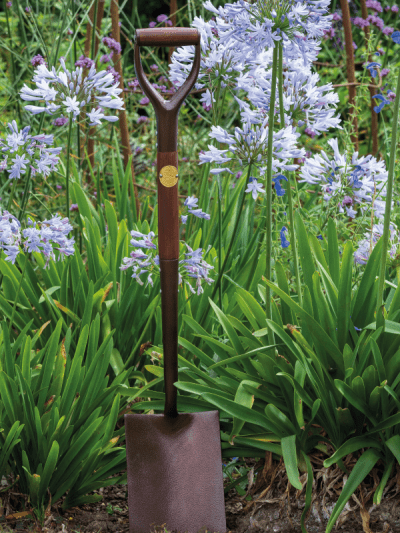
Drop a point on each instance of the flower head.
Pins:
(257, 26)
(366, 245)
(140, 261)
(363, 180)
(304, 101)
(23, 149)
(52, 231)
(249, 145)
(68, 92)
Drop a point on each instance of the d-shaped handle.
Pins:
(167, 37)
(167, 111)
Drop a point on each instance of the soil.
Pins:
(275, 506)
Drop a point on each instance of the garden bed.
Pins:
(279, 514)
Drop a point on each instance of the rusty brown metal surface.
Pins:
(174, 462)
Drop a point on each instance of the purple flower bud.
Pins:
(347, 200)
(38, 60)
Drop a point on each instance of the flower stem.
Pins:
(220, 235)
(16, 297)
(380, 318)
(289, 189)
(26, 194)
(11, 195)
(68, 147)
(268, 191)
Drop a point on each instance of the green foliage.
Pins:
(268, 398)
(58, 416)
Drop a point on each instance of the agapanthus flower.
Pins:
(365, 246)
(304, 102)
(67, 92)
(259, 25)
(249, 145)
(363, 180)
(220, 60)
(217, 61)
(254, 188)
(52, 231)
(191, 204)
(195, 266)
(21, 149)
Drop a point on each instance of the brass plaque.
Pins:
(169, 176)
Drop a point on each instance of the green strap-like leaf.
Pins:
(289, 457)
(344, 295)
(333, 252)
(360, 471)
(313, 325)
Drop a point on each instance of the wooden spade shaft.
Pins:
(167, 185)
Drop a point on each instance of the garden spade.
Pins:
(174, 461)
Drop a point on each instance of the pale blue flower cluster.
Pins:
(228, 42)
(21, 149)
(360, 182)
(54, 231)
(304, 102)
(249, 145)
(196, 268)
(68, 92)
(255, 27)
(194, 264)
(190, 203)
(366, 245)
(237, 52)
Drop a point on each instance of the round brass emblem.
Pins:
(168, 176)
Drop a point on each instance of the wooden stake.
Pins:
(350, 67)
(123, 124)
